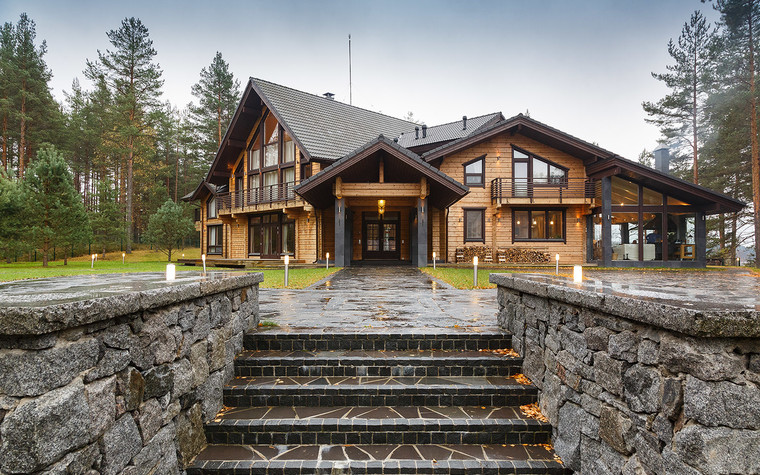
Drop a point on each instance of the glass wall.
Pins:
(681, 236)
(625, 236)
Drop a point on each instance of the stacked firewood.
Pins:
(480, 251)
(522, 255)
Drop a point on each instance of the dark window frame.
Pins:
(529, 161)
(212, 198)
(256, 136)
(218, 247)
(530, 238)
(482, 223)
(482, 174)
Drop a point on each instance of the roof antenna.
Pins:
(350, 95)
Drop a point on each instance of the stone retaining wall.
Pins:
(119, 385)
(638, 386)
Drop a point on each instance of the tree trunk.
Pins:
(22, 137)
(45, 249)
(170, 254)
(722, 231)
(754, 141)
(734, 221)
(695, 147)
(130, 184)
(5, 142)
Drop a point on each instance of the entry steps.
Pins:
(400, 403)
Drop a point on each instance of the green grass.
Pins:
(461, 278)
(148, 261)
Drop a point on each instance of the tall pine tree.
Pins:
(135, 83)
(680, 114)
(218, 93)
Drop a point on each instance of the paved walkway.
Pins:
(378, 299)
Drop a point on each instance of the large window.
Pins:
(211, 208)
(474, 224)
(215, 235)
(271, 141)
(538, 225)
(530, 170)
(475, 172)
(254, 153)
(271, 235)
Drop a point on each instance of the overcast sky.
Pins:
(581, 66)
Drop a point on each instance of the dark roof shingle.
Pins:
(446, 132)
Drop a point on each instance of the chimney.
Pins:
(329, 95)
(464, 122)
(424, 131)
(662, 159)
(416, 133)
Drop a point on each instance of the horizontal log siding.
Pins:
(498, 221)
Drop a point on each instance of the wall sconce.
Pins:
(380, 207)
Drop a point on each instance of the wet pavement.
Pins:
(380, 298)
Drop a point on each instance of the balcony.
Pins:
(526, 191)
(266, 197)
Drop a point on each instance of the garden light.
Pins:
(577, 274)
(475, 271)
(287, 261)
(171, 272)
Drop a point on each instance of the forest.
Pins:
(90, 172)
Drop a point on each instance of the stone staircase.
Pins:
(376, 403)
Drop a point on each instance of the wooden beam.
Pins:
(381, 171)
(338, 188)
(235, 143)
(423, 187)
(380, 190)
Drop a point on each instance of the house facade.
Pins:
(306, 176)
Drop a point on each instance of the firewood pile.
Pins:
(523, 255)
(472, 251)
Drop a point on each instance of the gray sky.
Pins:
(580, 66)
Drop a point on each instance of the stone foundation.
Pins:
(122, 384)
(635, 385)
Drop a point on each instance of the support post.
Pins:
(340, 232)
(607, 221)
(700, 238)
(422, 230)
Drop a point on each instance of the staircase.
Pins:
(376, 403)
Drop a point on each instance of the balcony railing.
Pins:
(543, 190)
(252, 197)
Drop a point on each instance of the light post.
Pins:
(556, 270)
(287, 261)
(577, 274)
(171, 272)
(123, 257)
(203, 258)
(433, 260)
(92, 261)
(327, 260)
(475, 271)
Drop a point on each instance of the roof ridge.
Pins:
(331, 101)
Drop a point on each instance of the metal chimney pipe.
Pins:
(416, 133)
(424, 131)
(464, 122)
(662, 159)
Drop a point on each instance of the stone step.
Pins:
(374, 363)
(377, 391)
(452, 339)
(252, 426)
(380, 458)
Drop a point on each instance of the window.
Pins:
(289, 148)
(254, 188)
(211, 208)
(254, 153)
(530, 170)
(474, 225)
(538, 225)
(475, 172)
(215, 239)
(288, 180)
(254, 236)
(272, 141)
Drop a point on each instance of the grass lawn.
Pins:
(461, 278)
(147, 261)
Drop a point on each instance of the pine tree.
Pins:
(680, 114)
(135, 83)
(218, 93)
(12, 217)
(8, 76)
(107, 218)
(56, 211)
(168, 227)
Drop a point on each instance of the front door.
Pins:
(381, 236)
(270, 236)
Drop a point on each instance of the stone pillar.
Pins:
(422, 230)
(340, 233)
(700, 239)
(607, 221)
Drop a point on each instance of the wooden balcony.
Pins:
(259, 199)
(525, 191)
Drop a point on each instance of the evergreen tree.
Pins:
(680, 114)
(8, 76)
(12, 217)
(56, 211)
(135, 83)
(107, 218)
(168, 227)
(218, 93)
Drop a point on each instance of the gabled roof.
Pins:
(202, 187)
(588, 152)
(326, 129)
(447, 132)
(408, 167)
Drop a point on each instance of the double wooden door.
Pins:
(381, 236)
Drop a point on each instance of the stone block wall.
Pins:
(635, 386)
(119, 385)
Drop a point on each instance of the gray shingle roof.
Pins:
(449, 131)
(326, 128)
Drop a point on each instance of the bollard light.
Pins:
(327, 260)
(577, 274)
(433, 260)
(203, 258)
(171, 272)
(123, 256)
(287, 261)
(556, 271)
(475, 271)
(92, 261)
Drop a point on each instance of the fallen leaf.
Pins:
(522, 379)
(534, 412)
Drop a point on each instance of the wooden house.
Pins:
(305, 175)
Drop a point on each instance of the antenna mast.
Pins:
(350, 94)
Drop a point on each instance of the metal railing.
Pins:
(506, 189)
(251, 197)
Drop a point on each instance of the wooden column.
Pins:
(422, 231)
(340, 233)
(607, 221)
(700, 238)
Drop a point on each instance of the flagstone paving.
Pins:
(377, 370)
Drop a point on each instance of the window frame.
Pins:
(211, 200)
(482, 224)
(546, 211)
(529, 161)
(482, 174)
(220, 241)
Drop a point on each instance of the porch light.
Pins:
(577, 274)
(380, 207)
(171, 272)
(518, 221)
(287, 262)
(556, 271)
(475, 271)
